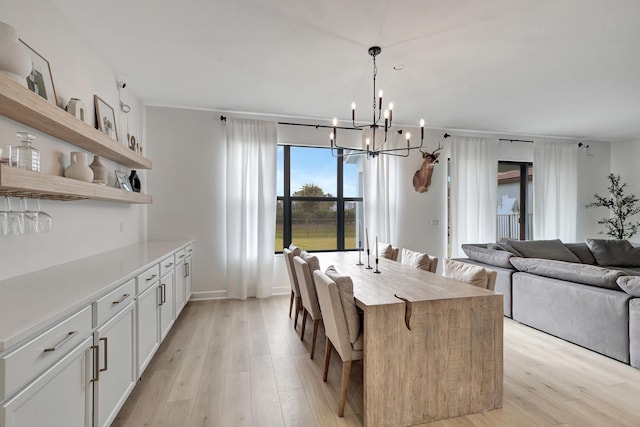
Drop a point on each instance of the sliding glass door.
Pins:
(515, 201)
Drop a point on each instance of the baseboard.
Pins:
(208, 295)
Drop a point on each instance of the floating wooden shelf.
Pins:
(20, 104)
(23, 183)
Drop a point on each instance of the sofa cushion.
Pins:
(481, 254)
(581, 250)
(503, 246)
(345, 286)
(630, 284)
(614, 252)
(572, 272)
(545, 249)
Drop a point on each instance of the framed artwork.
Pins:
(123, 181)
(105, 118)
(40, 80)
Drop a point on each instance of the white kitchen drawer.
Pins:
(28, 360)
(148, 278)
(180, 256)
(166, 265)
(189, 249)
(110, 304)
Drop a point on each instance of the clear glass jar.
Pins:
(26, 156)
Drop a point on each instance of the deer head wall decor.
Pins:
(422, 177)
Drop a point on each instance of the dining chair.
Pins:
(341, 325)
(295, 288)
(386, 250)
(305, 265)
(419, 260)
(471, 274)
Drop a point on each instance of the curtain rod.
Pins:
(514, 140)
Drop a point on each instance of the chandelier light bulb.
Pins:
(408, 136)
(386, 114)
(331, 136)
(335, 122)
(380, 94)
(390, 106)
(421, 128)
(353, 105)
(367, 141)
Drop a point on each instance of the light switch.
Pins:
(435, 222)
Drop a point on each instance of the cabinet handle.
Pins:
(163, 293)
(124, 297)
(96, 363)
(189, 250)
(69, 336)
(106, 352)
(151, 277)
(168, 265)
(181, 256)
(186, 269)
(159, 295)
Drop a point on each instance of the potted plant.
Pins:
(622, 207)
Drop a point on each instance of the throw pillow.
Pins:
(345, 286)
(630, 284)
(579, 273)
(295, 250)
(416, 259)
(385, 250)
(471, 274)
(618, 253)
(312, 260)
(488, 256)
(545, 249)
(503, 246)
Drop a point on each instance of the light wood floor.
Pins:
(240, 363)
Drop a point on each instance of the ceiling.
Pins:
(568, 68)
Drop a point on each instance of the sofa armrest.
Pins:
(488, 256)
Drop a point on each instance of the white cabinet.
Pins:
(116, 375)
(167, 300)
(180, 285)
(61, 396)
(148, 325)
(187, 279)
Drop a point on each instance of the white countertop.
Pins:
(34, 301)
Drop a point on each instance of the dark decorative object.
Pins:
(135, 181)
(622, 208)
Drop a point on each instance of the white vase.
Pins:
(77, 108)
(15, 61)
(79, 168)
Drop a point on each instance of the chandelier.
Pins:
(374, 148)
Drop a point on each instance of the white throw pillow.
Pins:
(471, 274)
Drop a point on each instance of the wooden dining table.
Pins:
(432, 345)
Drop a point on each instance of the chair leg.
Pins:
(346, 371)
(315, 335)
(297, 309)
(304, 322)
(327, 358)
(291, 303)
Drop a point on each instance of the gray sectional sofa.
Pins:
(586, 293)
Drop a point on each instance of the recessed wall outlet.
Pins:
(435, 222)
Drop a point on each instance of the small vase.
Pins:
(77, 108)
(79, 168)
(135, 181)
(15, 61)
(99, 172)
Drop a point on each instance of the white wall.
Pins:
(624, 162)
(190, 144)
(80, 228)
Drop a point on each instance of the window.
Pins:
(514, 197)
(319, 202)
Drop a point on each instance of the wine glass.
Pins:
(15, 220)
(4, 218)
(31, 218)
(45, 221)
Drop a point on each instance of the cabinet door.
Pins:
(167, 303)
(61, 396)
(117, 377)
(180, 288)
(148, 326)
(187, 272)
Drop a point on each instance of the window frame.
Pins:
(287, 201)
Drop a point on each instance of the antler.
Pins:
(437, 149)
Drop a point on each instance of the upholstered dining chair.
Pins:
(295, 288)
(385, 250)
(471, 274)
(341, 325)
(419, 260)
(305, 265)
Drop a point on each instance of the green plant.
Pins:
(621, 208)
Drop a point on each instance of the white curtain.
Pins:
(380, 189)
(250, 207)
(474, 189)
(555, 190)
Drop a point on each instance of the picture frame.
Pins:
(40, 80)
(105, 118)
(123, 181)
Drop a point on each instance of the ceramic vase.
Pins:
(99, 171)
(77, 108)
(15, 61)
(135, 181)
(79, 168)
